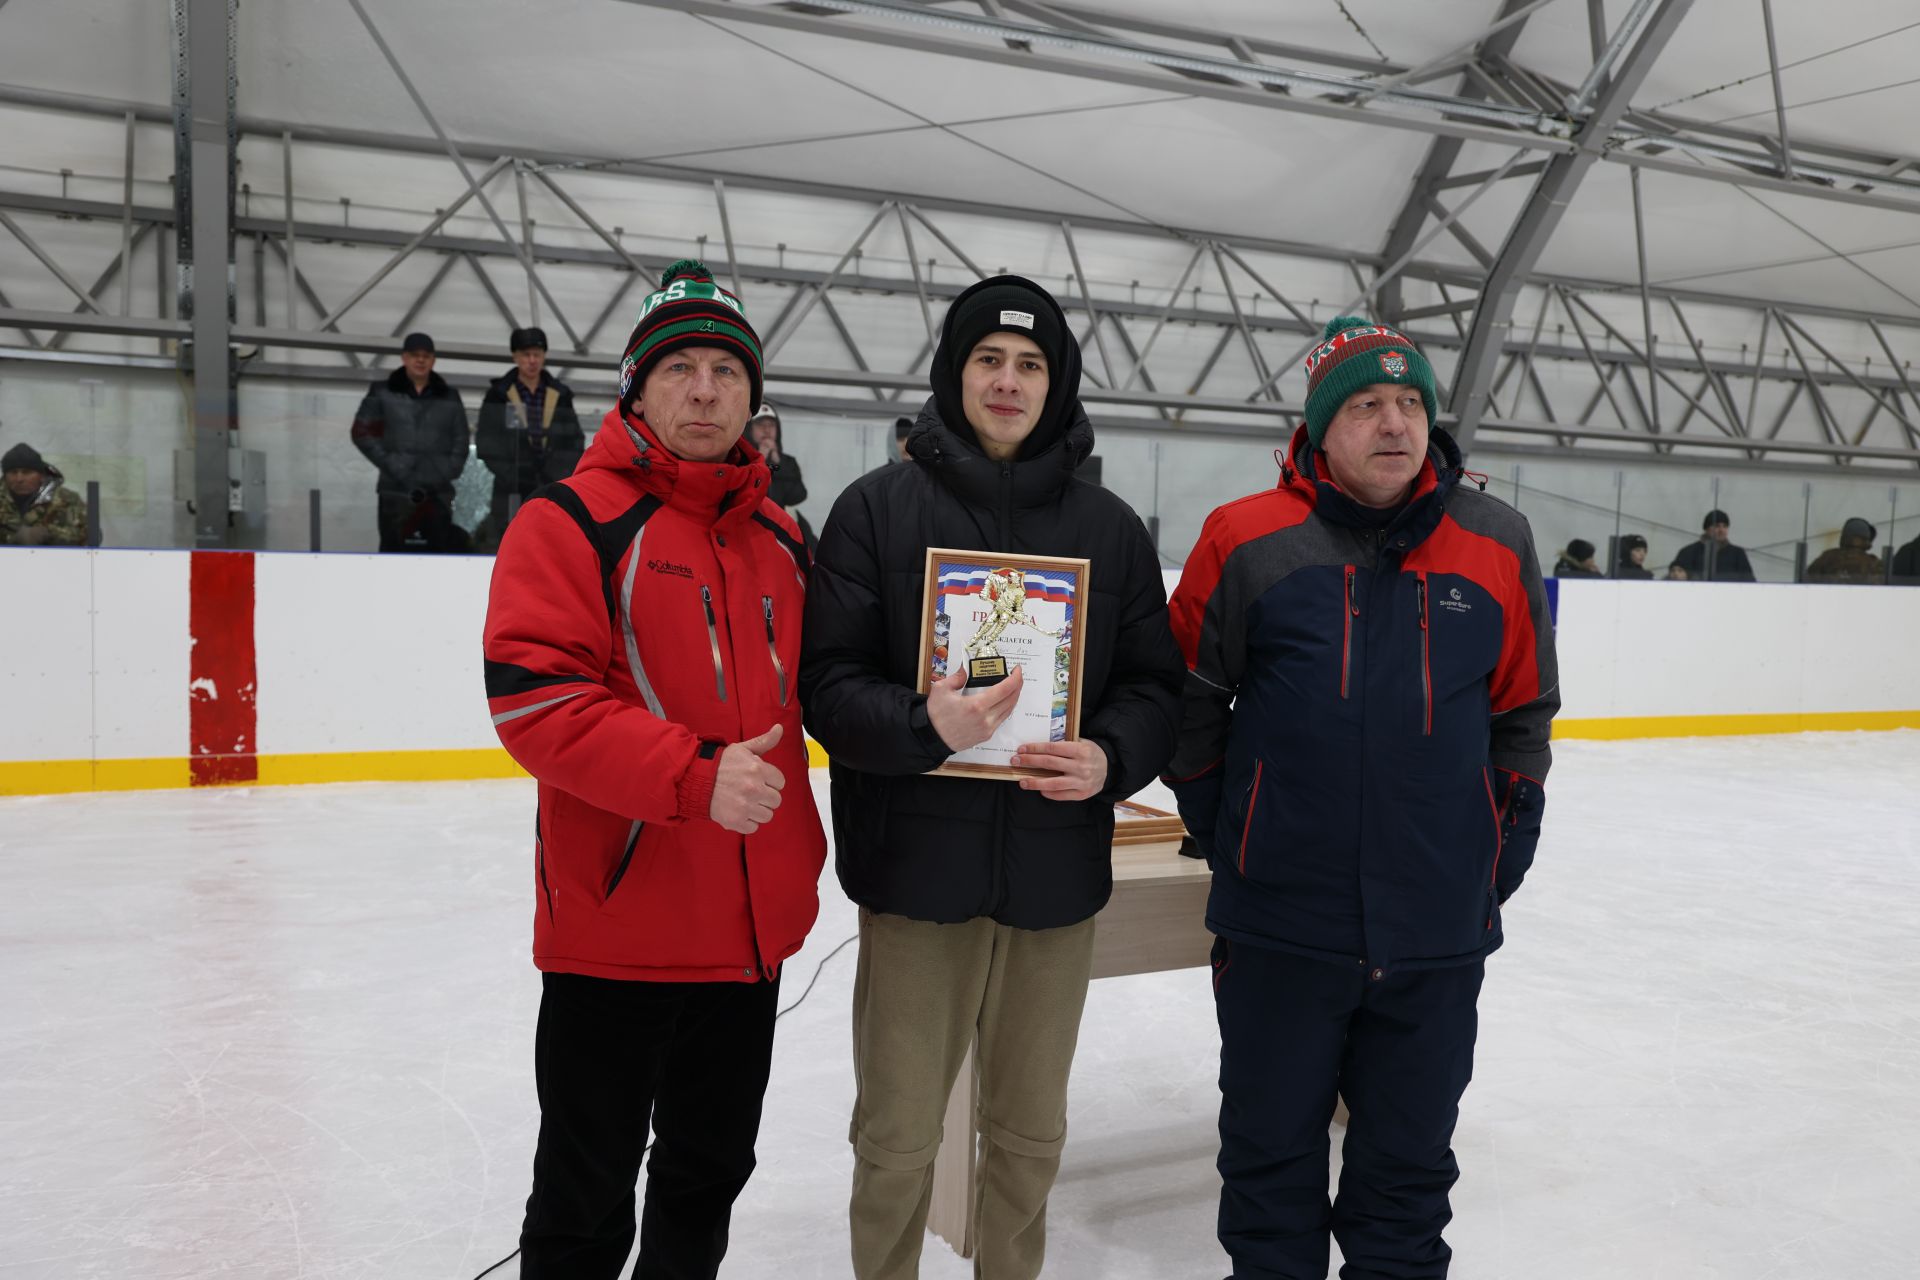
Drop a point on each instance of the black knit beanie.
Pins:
(1008, 304)
(24, 457)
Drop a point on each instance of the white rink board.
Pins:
(365, 653)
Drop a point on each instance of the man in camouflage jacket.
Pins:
(38, 510)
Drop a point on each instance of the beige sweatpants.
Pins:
(921, 994)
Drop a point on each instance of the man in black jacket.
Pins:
(529, 434)
(413, 427)
(1713, 558)
(977, 896)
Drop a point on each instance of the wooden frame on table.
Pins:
(1136, 823)
(1054, 586)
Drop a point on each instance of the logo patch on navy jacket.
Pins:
(1453, 603)
(670, 568)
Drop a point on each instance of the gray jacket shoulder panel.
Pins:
(1490, 517)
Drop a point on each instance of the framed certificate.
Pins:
(992, 614)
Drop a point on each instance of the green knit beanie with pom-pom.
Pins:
(688, 310)
(1357, 353)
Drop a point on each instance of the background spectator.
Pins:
(528, 434)
(902, 428)
(789, 488)
(1577, 561)
(1853, 560)
(1906, 564)
(1713, 558)
(1632, 562)
(39, 510)
(413, 427)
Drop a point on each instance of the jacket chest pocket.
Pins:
(1453, 640)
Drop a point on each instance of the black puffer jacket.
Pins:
(417, 440)
(951, 849)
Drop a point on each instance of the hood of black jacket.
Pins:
(1058, 416)
(957, 462)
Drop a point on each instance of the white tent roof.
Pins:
(618, 80)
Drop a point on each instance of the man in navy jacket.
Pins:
(1371, 684)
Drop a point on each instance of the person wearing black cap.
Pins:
(977, 896)
(1712, 558)
(38, 510)
(528, 434)
(1632, 562)
(413, 427)
(1577, 561)
(1853, 560)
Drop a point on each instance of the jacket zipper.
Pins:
(1348, 614)
(1253, 799)
(1426, 657)
(1499, 847)
(713, 642)
(1002, 819)
(1006, 506)
(773, 651)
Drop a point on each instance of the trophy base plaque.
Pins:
(983, 673)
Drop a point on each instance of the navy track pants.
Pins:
(1399, 1049)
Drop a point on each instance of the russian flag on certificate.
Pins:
(967, 580)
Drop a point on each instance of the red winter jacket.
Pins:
(644, 614)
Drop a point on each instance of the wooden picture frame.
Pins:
(1136, 823)
(1052, 596)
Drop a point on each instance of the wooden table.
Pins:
(1156, 920)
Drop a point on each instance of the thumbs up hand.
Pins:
(746, 789)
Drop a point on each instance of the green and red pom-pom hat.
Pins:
(688, 310)
(1356, 353)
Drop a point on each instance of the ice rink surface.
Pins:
(288, 1033)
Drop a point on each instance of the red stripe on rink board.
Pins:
(221, 688)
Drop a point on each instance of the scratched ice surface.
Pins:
(287, 1032)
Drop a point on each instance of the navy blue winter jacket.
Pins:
(1364, 744)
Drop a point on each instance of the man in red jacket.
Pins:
(676, 868)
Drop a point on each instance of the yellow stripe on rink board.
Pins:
(1625, 727)
(388, 766)
(59, 777)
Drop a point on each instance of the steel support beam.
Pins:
(122, 266)
(203, 99)
(1493, 319)
(1842, 173)
(1779, 102)
(908, 26)
(1261, 420)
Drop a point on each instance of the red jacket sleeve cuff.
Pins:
(696, 784)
